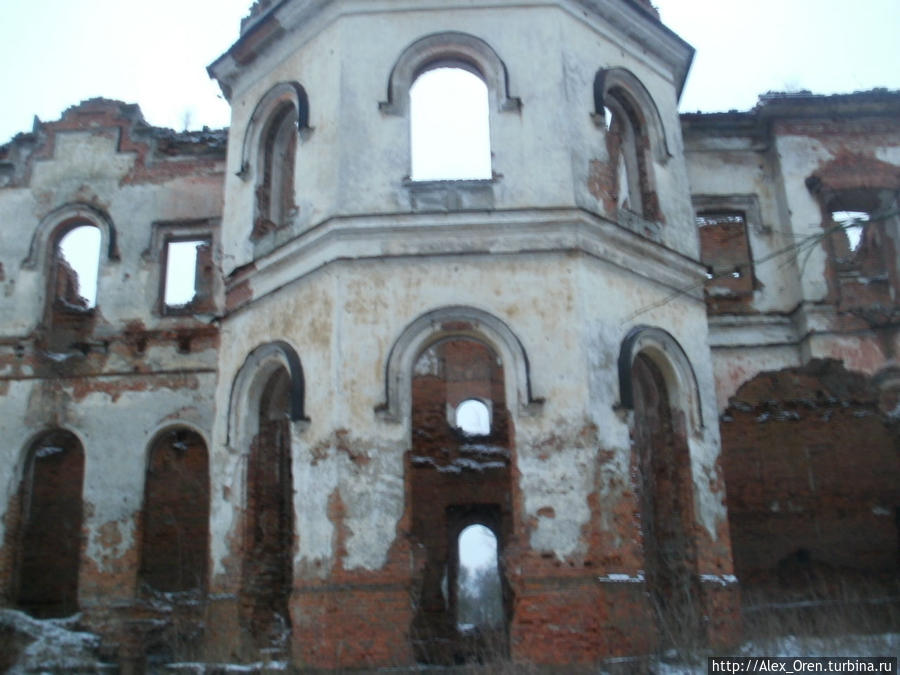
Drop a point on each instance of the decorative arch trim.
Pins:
(665, 351)
(451, 322)
(611, 80)
(291, 93)
(243, 406)
(70, 215)
(448, 49)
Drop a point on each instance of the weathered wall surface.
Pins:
(305, 395)
(805, 364)
(117, 373)
(810, 459)
(786, 166)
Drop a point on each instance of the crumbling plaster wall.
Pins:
(798, 157)
(127, 287)
(738, 163)
(133, 371)
(343, 321)
(771, 153)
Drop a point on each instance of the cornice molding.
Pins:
(378, 237)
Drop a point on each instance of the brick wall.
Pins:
(813, 478)
(174, 546)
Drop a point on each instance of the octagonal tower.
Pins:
(557, 286)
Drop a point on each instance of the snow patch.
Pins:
(54, 645)
(616, 578)
(722, 579)
(458, 465)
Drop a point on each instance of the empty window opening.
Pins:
(449, 125)
(725, 251)
(473, 417)
(479, 590)
(626, 150)
(275, 188)
(853, 224)
(50, 542)
(188, 274)
(176, 513)
(76, 265)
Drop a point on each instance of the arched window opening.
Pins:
(76, 263)
(268, 566)
(51, 518)
(666, 502)
(473, 417)
(176, 513)
(635, 141)
(626, 151)
(449, 125)
(275, 187)
(479, 590)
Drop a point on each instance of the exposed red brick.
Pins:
(813, 472)
(175, 518)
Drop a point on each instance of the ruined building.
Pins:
(680, 333)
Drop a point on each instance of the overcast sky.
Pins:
(55, 53)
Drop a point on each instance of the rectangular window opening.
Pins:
(188, 275)
(725, 251)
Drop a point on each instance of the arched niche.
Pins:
(461, 322)
(620, 82)
(451, 49)
(672, 361)
(248, 387)
(175, 513)
(48, 554)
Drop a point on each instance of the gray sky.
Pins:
(55, 53)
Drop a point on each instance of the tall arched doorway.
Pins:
(269, 534)
(666, 502)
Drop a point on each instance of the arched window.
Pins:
(451, 85)
(269, 151)
(626, 143)
(635, 139)
(51, 517)
(76, 261)
(449, 125)
(176, 513)
(275, 186)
